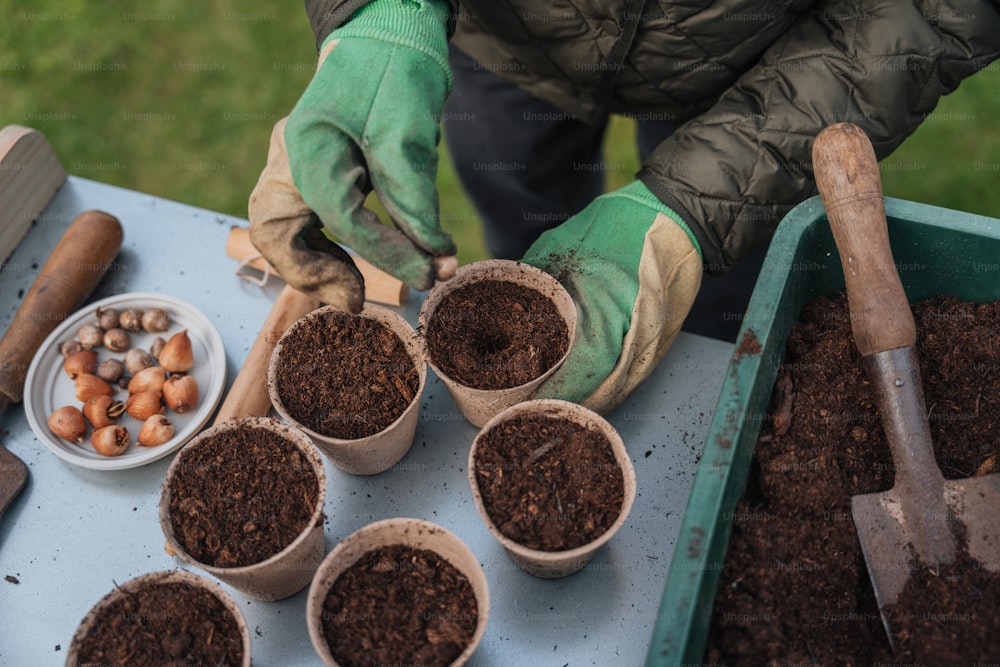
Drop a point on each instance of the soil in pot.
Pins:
(345, 377)
(794, 587)
(243, 498)
(496, 334)
(548, 483)
(163, 624)
(398, 605)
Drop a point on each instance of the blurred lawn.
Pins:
(177, 99)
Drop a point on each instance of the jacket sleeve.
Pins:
(325, 16)
(734, 171)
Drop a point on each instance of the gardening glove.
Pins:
(633, 269)
(369, 119)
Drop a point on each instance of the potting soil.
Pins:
(794, 588)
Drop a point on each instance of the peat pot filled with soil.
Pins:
(353, 383)
(494, 332)
(398, 592)
(553, 483)
(243, 501)
(163, 618)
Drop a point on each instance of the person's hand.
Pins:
(633, 270)
(369, 119)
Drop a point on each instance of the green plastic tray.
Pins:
(936, 250)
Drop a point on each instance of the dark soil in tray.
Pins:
(496, 334)
(164, 624)
(548, 483)
(345, 377)
(243, 498)
(399, 606)
(794, 587)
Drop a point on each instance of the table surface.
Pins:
(73, 532)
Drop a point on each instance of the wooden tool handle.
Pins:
(75, 267)
(248, 395)
(379, 285)
(849, 184)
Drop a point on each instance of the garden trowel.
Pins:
(913, 525)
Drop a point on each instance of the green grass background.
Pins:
(177, 99)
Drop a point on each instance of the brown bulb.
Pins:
(176, 355)
(68, 423)
(180, 392)
(87, 386)
(78, 363)
(148, 379)
(156, 430)
(103, 411)
(110, 440)
(145, 404)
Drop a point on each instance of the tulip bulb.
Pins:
(180, 392)
(177, 355)
(144, 405)
(156, 430)
(148, 379)
(87, 386)
(110, 440)
(67, 422)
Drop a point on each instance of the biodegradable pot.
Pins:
(98, 613)
(538, 562)
(413, 533)
(378, 452)
(479, 405)
(290, 570)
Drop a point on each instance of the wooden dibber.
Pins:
(248, 397)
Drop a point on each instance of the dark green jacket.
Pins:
(755, 81)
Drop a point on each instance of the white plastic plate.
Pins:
(47, 387)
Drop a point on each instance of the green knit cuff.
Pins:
(418, 24)
(639, 193)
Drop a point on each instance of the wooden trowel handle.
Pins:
(849, 184)
(79, 261)
(248, 395)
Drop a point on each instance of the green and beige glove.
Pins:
(369, 119)
(633, 269)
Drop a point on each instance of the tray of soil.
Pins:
(163, 618)
(398, 592)
(553, 483)
(353, 383)
(494, 332)
(243, 501)
(768, 566)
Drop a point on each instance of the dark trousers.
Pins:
(527, 166)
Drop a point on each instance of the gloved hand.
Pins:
(633, 269)
(368, 119)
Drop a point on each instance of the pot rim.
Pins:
(381, 314)
(581, 415)
(373, 535)
(157, 577)
(289, 431)
(496, 269)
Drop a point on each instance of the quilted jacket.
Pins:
(752, 81)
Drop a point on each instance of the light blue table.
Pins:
(73, 532)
